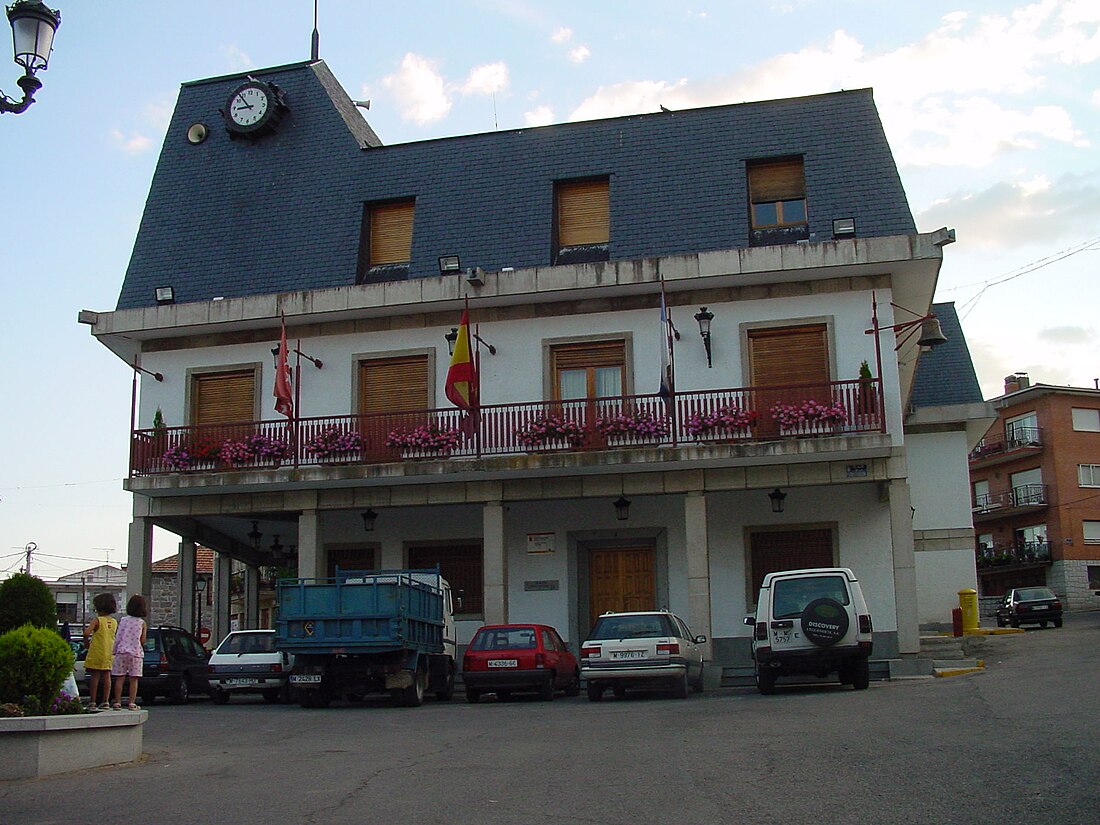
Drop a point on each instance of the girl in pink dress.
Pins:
(129, 650)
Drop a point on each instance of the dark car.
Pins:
(175, 666)
(509, 658)
(1029, 605)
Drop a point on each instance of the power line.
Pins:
(64, 484)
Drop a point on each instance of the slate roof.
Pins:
(945, 374)
(284, 213)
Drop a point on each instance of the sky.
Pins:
(992, 110)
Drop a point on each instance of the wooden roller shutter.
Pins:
(788, 550)
(789, 355)
(598, 354)
(391, 227)
(461, 566)
(223, 397)
(583, 213)
(778, 181)
(393, 385)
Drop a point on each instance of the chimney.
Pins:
(1017, 381)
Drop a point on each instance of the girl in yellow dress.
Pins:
(99, 659)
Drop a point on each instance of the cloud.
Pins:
(133, 143)
(420, 90)
(236, 58)
(542, 116)
(1044, 212)
(579, 54)
(486, 79)
(562, 35)
(1068, 335)
(630, 98)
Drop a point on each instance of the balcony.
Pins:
(1026, 498)
(1006, 557)
(593, 425)
(1016, 443)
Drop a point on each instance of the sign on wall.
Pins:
(540, 543)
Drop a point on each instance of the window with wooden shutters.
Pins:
(782, 356)
(776, 550)
(582, 220)
(223, 397)
(393, 385)
(777, 191)
(588, 370)
(391, 228)
(461, 566)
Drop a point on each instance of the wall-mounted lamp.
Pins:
(778, 497)
(158, 376)
(622, 508)
(276, 547)
(449, 263)
(165, 295)
(369, 517)
(704, 318)
(200, 584)
(452, 338)
(255, 536)
(33, 26)
(317, 362)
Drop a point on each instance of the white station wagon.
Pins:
(247, 662)
(643, 649)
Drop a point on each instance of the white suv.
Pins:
(642, 649)
(811, 622)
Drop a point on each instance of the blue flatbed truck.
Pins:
(368, 631)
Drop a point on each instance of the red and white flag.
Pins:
(284, 400)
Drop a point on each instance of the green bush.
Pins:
(26, 600)
(34, 662)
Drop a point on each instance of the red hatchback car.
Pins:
(508, 658)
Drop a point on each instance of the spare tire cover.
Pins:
(824, 622)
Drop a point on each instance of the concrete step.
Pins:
(941, 647)
(745, 675)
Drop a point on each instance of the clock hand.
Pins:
(244, 103)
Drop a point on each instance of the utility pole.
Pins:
(30, 548)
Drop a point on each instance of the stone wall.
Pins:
(164, 605)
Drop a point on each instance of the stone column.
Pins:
(185, 584)
(139, 560)
(698, 563)
(495, 564)
(311, 551)
(905, 566)
(251, 597)
(223, 576)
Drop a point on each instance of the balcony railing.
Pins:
(1024, 496)
(704, 417)
(1029, 552)
(1013, 440)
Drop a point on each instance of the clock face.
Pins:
(248, 106)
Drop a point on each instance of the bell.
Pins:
(930, 333)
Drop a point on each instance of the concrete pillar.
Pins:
(494, 563)
(139, 560)
(251, 597)
(185, 584)
(223, 576)
(698, 563)
(311, 552)
(905, 566)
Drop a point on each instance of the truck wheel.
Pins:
(220, 697)
(595, 692)
(447, 692)
(861, 674)
(765, 680)
(413, 695)
(546, 689)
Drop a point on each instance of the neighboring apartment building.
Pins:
(782, 226)
(74, 593)
(1035, 482)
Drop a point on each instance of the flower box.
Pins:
(727, 423)
(425, 441)
(334, 444)
(809, 417)
(550, 432)
(631, 430)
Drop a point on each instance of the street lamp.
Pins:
(33, 26)
(200, 589)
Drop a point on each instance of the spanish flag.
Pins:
(462, 383)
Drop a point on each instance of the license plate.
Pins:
(306, 679)
(628, 654)
(503, 663)
(1041, 607)
(242, 682)
(782, 637)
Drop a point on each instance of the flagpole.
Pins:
(670, 328)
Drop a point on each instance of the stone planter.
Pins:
(33, 746)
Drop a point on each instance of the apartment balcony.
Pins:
(1027, 498)
(1000, 449)
(739, 417)
(1000, 558)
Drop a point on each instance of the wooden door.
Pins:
(775, 550)
(350, 558)
(621, 580)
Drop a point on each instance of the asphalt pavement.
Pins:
(1017, 743)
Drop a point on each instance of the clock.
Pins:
(254, 108)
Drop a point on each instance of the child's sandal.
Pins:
(132, 707)
(116, 706)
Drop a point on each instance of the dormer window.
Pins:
(777, 201)
(582, 223)
(386, 244)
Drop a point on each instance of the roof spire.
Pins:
(315, 51)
